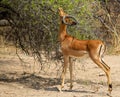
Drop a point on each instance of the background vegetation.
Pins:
(32, 25)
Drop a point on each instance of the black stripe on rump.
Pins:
(104, 64)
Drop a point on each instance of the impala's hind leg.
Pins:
(101, 52)
(97, 58)
(106, 69)
(108, 75)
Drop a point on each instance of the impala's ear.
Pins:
(61, 12)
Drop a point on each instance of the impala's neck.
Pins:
(62, 32)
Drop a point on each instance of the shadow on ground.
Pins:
(31, 80)
(36, 82)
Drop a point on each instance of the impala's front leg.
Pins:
(71, 72)
(65, 65)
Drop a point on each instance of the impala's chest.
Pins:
(73, 47)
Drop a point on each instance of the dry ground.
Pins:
(27, 80)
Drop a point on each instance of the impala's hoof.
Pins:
(110, 88)
(71, 86)
(59, 88)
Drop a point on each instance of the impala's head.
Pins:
(66, 19)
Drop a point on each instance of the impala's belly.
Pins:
(77, 53)
(74, 53)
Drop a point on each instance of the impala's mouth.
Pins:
(74, 23)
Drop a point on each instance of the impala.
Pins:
(72, 47)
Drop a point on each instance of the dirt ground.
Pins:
(26, 79)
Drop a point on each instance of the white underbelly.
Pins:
(77, 54)
(73, 53)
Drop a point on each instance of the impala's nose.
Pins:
(74, 23)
